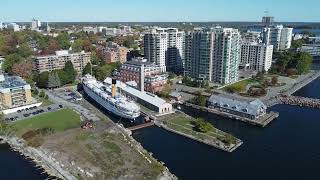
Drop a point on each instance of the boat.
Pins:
(108, 98)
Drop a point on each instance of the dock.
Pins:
(141, 126)
(213, 143)
(299, 101)
(261, 121)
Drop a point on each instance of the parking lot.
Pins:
(31, 112)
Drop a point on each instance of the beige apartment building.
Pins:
(114, 54)
(14, 92)
(57, 61)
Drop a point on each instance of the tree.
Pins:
(304, 62)
(24, 50)
(95, 60)
(42, 94)
(200, 100)
(42, 79)
(87, 69)
(70, 72)
(53, 80)
(202, 126)
(274, 80)
(10, 61)
(77, 46)
(22, 69)
(63, 41)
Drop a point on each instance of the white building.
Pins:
(278, 36)
(1, 25)
(89, 29)
(165, 47)
(256, 56)
(13, 26)
(147, 99)
(35, 25)
(226, 55)
(286, 38)
(213, 55)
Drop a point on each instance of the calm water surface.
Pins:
(289, 148)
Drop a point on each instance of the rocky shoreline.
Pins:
(39, 156)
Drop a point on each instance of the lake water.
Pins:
(13, 166)
(289, 148)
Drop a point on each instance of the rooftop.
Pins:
(11, 82)
(252, 107)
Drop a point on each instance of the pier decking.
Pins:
(261, 121)
(141, 126)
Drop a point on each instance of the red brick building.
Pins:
(152, 77)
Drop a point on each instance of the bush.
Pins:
(202, 126)
(42, 94)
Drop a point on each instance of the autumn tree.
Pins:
(22, 69)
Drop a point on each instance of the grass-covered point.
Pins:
(197, 128)
(57, 121)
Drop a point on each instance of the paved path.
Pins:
(80, 109)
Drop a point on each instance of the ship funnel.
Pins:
(114, 87)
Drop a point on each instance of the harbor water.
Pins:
(288, 148)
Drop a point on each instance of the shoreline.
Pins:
(272, 101)
(39, 157)
(217, 145)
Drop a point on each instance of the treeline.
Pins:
(291, 63)
(56, 78)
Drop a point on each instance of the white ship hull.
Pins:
(105, 104)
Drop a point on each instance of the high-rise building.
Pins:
(278, 36)
(198, 55)
(256, 56)
(35, 25)
(286, 38)
(267, 21)
(213, 55)
(165, 47)
(226, 55)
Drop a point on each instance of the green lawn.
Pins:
(184, 124)
(240, 86)
(59, 121)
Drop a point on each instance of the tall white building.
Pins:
(226, 55)
(165, 47)
(1, 25)
(278, 36)
(256, 56)
(35, 25)
(213, 55)
(286, 38)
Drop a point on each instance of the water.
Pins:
(288, 148)
(16, 167)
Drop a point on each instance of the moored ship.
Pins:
(107, 97)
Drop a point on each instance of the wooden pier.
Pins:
(141, 126)
(299, 101)
(261, 121)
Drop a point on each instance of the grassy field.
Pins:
(240, 86)
(59, 121)
(184, 124)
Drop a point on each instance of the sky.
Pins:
(158, 10)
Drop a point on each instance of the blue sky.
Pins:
(159, 10)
